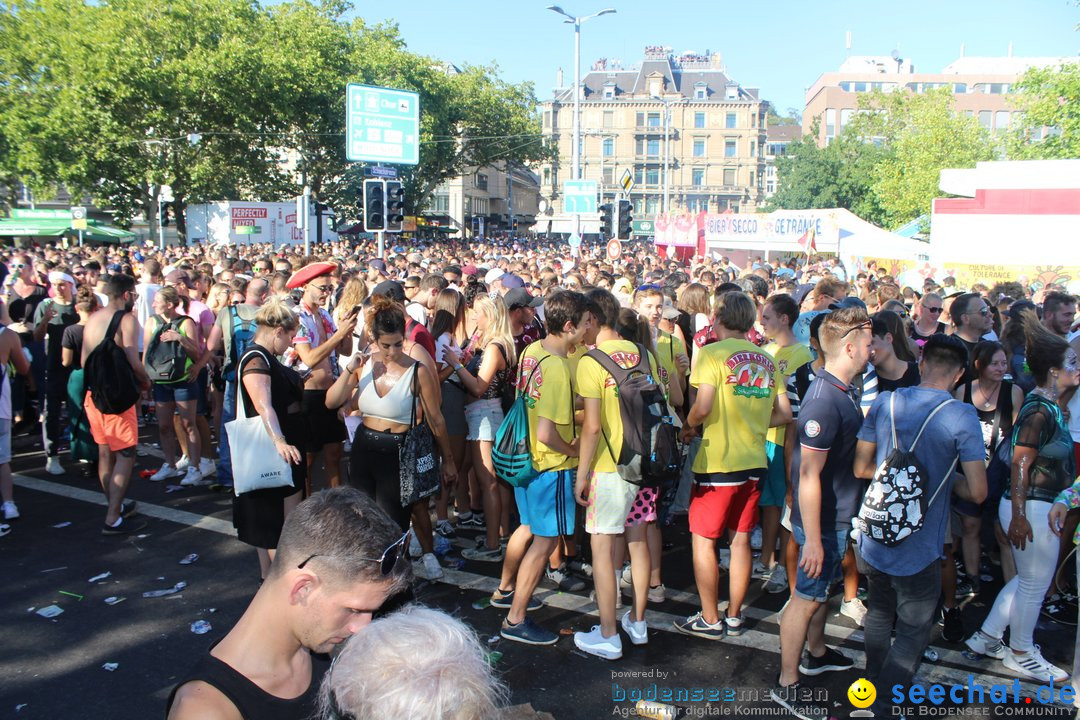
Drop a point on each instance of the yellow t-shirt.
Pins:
(733, 433)
(550, 395)
(593, 381)
(668, 347)
(788, 360)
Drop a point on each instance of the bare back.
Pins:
(126, 335)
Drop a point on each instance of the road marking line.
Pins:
(181, 517)
(657, 620)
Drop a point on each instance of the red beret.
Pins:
(308, 273)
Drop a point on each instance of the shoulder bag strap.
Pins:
(892, 420)
(412, 416)
(114, 325)
(927, 421)
(241, 409)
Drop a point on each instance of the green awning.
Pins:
(56, 227)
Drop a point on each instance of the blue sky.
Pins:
(780, 47)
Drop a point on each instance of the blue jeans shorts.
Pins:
(547, 504)
(834, 543)
(176, 392)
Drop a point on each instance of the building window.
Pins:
(960, 88)
(481, 181)
(547, 118)
(652, 176)
(547, 176)
(730, 147)
(699, 120)
(729, 121)
(609, 147)
(770, 187)
(609, 92)
(845, 117)
(609, 118)
(752, 175)
(985, 117)
(830, 123)
(1001, 120)
(609, 175)
(652, 205)
(699, 147)
(731, 92)
(439, 204)
(698, 177)
(697, 203)
(652, 147)
(639, 206)
(653, 120)
(700, 93)
(729, 176)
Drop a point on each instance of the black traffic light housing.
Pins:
(164, 218)
(625, 221)
(374, 205)
(607, 220)
(395, 206)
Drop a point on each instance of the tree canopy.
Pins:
(1047, 125)
(103, 98)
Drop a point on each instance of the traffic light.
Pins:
(607, 220)
(625, 221)
(374, 205)
(164, 215)
(395, 206)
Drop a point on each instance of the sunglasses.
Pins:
(411, 287)
(324, 288)
(936, 311)
(984, 311)
(386, 561)
(649, 286)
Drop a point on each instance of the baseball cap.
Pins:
(493, 275)
(519, 298)
(512, 281)
(849, 302)
(391, 290)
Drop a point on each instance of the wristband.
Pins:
(459, 367)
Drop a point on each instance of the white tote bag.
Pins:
(256, 464)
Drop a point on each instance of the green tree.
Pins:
(837, 175)
(1047, 125)
(920, 135)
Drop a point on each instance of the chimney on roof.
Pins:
(558, 78)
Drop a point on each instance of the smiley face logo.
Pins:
(862, 693)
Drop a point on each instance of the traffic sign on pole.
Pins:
(78, 218)
(614, 249)
(382, 125)
(579, 197)
(626, 181)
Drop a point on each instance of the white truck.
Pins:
(234, 222)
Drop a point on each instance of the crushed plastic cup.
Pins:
(167, 591)
(188, 559)
(50, 611)
(101, 576)
(931, 655)
(173, 488)
(200, 627)
(494, 657)
(481, 603)
(114, 600)
(111, 667)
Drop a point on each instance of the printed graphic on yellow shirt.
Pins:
(752, 374)
(625, 360)
(530, 368)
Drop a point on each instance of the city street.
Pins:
(58, 667)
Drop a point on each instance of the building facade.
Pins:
(981, 88)
(777, 139)
(715, 129)
(487, 201)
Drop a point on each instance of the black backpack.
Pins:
(243, 332)
(108, 375)
(650, 455)
(165, 362)
(896, 503)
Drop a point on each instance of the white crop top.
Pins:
(396, 405)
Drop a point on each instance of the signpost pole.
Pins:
(382, 244)
(307, 237)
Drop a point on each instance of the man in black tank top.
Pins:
(338, 560)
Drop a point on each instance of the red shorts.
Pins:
(119, 432)
(716, 508)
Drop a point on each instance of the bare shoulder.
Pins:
(198, 700)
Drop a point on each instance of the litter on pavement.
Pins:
(167, 591)
(62, 525)
(113, 600)
(50, 611)
(77, 596)
(189, 559)
(110, 666)
(200, 627)
(102, 576)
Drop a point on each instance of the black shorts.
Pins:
(324, 427)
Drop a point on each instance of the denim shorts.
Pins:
(834, 544)
(176, 392)
(483, 418)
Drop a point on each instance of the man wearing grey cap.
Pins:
(523, 323)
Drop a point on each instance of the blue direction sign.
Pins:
(382, 125)
(579, 197)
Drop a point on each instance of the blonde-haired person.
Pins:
(352, 297)
(485, 377)
(274, 393)
(416, 663)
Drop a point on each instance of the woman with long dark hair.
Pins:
(1042, 467)
(448, 329)
(391, 389)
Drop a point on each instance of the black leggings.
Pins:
(374, 469)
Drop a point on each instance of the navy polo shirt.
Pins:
(829, 420)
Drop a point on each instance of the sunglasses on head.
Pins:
(867, 325)
(649, 286)
(386, 561)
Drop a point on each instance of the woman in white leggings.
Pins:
(1042, 467)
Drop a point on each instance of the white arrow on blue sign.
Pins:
(579, 197)
(382, 125)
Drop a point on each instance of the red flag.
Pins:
(808, 241)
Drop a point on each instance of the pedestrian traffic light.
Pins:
(395, 206)
(374, 205)
(625, 222)
(607, 220)
(164, 215)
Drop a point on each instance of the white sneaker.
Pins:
(207, 467)
(192, 477)
(982, 644)
(166, 472)
(182, 463)
(626, 579)
(755, 539)
(854, 609)
(10, 511)
(53, 467)
(638, 631)
(723, 559)
(594, 643)
(657, 594)
(1034, 666)
(775, 580)
(428, 567)
(414, 546)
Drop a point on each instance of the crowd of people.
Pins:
(845, 428)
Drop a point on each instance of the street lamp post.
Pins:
(667, 150)
(575, 152)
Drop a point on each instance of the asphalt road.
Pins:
(57, 667)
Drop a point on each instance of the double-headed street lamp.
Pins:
(576, 22)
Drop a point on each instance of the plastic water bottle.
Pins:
(200, 627)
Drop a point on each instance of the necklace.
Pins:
(987, 404)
